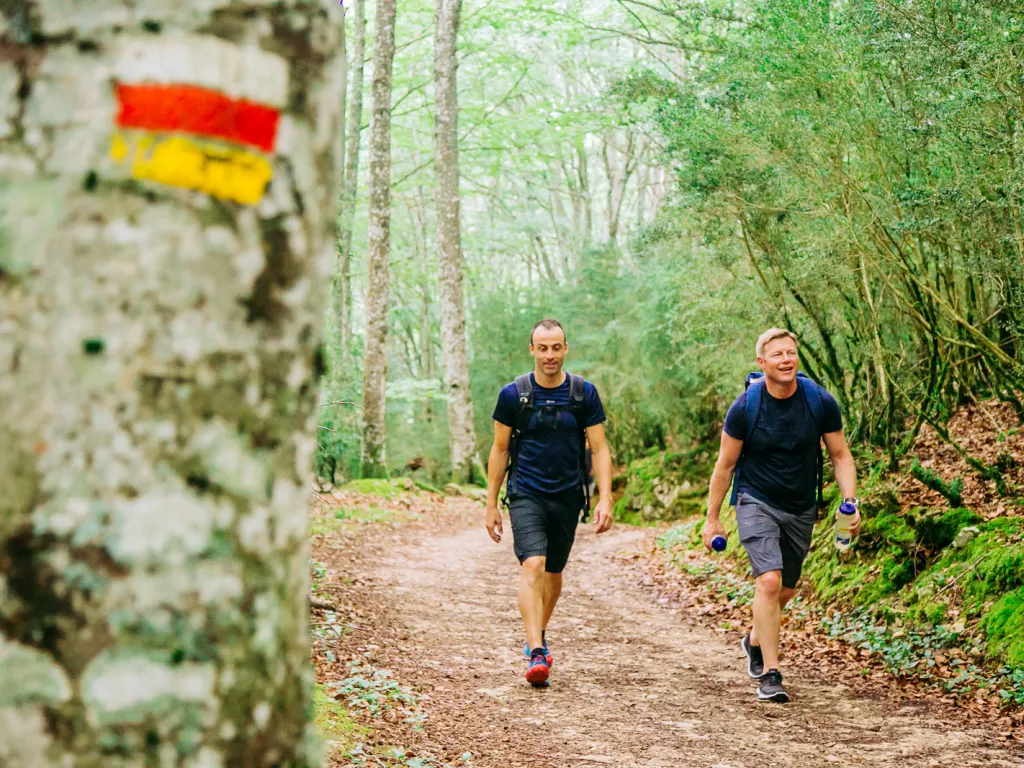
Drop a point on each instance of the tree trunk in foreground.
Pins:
(379, 247)
(166, 227)
(449, 244)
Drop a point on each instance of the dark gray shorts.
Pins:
(774, 540)
(545, 525)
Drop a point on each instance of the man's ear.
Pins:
(760, 363)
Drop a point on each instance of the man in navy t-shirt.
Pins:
(777, 489)
(545, 488)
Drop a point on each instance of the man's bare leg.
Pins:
(768, 616)
(531, 599)
(552, 589)
(785, 595)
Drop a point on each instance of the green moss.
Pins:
(332, 521)
(937, 530)
(386, 489)
(1002, 625)
(334, 722)
(322, 524)
(664, 486)
(423, 485)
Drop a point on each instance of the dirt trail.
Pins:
(633, 683)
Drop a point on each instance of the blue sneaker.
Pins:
(547, 653)
(538, 671)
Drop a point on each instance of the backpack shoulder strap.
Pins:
(812, 394)
(578, 406)
(752, 407)
(577, 395)
(524, 391)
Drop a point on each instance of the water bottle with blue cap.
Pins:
(844, 521)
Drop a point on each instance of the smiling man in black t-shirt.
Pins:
(776, 489)
(543, 420)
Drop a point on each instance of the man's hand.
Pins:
(602, 515)
(494, 523)
(712, 528)
(854, 523)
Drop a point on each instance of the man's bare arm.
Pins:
(601, 456)
(845, 470)
(843, 463)
(497, 463)
(721, 477)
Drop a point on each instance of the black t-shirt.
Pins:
(780, 462)
(549, 452)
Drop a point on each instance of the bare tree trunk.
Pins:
(449, 241)
(378, 247)
(346, 217)
(159, 277)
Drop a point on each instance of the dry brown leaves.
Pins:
(987, 432)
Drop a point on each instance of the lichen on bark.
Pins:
(157, 347)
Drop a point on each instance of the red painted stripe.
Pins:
(199, 111)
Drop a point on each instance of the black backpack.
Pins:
(577, 406)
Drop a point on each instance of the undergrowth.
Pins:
(935, 594)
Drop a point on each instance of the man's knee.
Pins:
(769, 585)
(786, 594)
(533, 568)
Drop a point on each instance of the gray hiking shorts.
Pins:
(544, 524)
(774, 540)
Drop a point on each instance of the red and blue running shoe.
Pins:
(547, 653)
(538, 671)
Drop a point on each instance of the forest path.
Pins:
(633, 683)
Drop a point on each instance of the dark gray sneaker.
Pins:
(755, 662)
(771, 688)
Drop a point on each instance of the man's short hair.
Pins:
(770, 335)
(547, 323)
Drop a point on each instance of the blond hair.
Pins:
(770, 335)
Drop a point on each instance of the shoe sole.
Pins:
(537, 676)
(779, 698)
(750, 670)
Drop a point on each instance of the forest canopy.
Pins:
(670, 178)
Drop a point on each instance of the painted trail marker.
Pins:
(199, 113)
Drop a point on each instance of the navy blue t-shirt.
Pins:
(780, 462)
(549, 452)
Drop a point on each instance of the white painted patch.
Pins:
(29, 676)
(261, 715)
(113, 684)
(241, 72)
(64, 521)
(290, 507)
(254, 530)
(207, 757)
(229, 463)
(165, 525)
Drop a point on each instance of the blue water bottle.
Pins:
(718, 543)
(843, 522)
